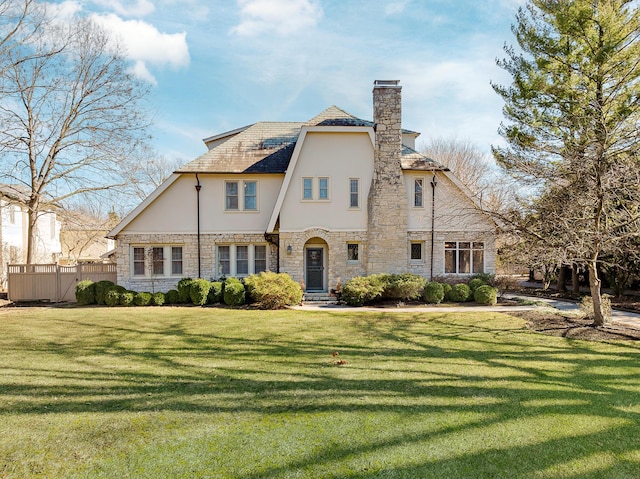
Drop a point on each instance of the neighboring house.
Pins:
(13, 231)
(322, 200)
(83, 240)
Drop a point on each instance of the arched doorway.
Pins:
(316, 253)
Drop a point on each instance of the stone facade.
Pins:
(387, 202)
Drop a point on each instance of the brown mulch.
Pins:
(554, 324)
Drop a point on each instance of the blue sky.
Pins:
(217, 65)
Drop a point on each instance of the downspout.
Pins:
(434, 182)
(198, 188)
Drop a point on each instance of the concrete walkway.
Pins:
(619, 317)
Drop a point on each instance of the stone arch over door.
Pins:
(316, 262)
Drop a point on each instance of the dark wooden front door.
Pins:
(315, 269)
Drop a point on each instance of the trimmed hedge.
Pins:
(404, 287)
(485, 294)
(172, 297)
(361, 290)
(475, 283)
(215, 293)
(233, 292)
(142, 299)
(433, 293)
(198, 291)
(184, 290)
(127, 298)
(112, 297)
(158, 299)
(86, 292)
(459, 293)
(101, 290)
(273, 290)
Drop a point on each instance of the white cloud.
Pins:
(63, 12)
(146, 45)
(396, 7)
(140, 70)
(283, 17)
(128, 8)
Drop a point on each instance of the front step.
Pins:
(318, 298)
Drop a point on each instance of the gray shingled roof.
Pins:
(266, 147)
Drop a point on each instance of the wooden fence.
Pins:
(51, 282)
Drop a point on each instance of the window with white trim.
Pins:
(463, 257)
(323, 188)
(12, 214)
(307, 188)
(247, 201)
(418, 192)
(315, 188)
(156, 261)
(238, 260)
(354, 192)
(353, 252)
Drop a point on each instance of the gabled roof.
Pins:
(17, 193)
(266, 147)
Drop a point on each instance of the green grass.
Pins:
(203, 392)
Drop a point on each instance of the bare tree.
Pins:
(72, 114)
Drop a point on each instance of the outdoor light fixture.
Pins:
(289, 249)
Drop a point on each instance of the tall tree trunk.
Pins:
(32, 231)
(594, 285)
(561, 285)
(575, 280)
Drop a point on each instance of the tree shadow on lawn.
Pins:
(578, 401)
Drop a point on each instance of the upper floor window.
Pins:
(463, 257)
(323, 184)
(314, 188)
(418, 192)
(354, 193)
(12, 214)
(307, 188)
(248, 201)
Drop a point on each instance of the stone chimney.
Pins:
(387, 247)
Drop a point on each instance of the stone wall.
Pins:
(387, 202)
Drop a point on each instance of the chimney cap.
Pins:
(386, 84)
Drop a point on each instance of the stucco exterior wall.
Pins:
(339, 157)
(174, 211)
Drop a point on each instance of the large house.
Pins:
(323, 200)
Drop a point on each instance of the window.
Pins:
(241, 260)
(260, 259)
(463, 257)
(231, 188)
(250, 195)
(224, 260)
(157, 255)
(418, 200)
(324, 188)
(353, 252)
(307, 188)
(176, 260)
(416, 251)
(354, 193)
(138, 262)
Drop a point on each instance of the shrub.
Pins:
(433, 293)
(361, 290)
(101, 290)
(446, 287)
(485, 294)
(234, 293)
(586, 306)
(142, 299)
(402, 286)
(198, 291)
(86, 292)
(272, 290)
(459, 293)
(475, 283)
(172, 297)
(184, 290)
(158, 299)
(127, 298)
(112, 297)
(215, 293)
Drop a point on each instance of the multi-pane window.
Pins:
(260, 259)
(353, 252)
(307, 188)
(234, 201)
(176, 260)
(418, 192)
(416, 251)
(231, 192)
(138, 261)
(323, 184)
(463, 257)
(354, 193)
(224, 260)
(157, 254)
(12, 214)
(250, 195)
(241, 259)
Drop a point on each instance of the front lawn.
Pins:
(203, 392)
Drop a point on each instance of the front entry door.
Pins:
(315, 269)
